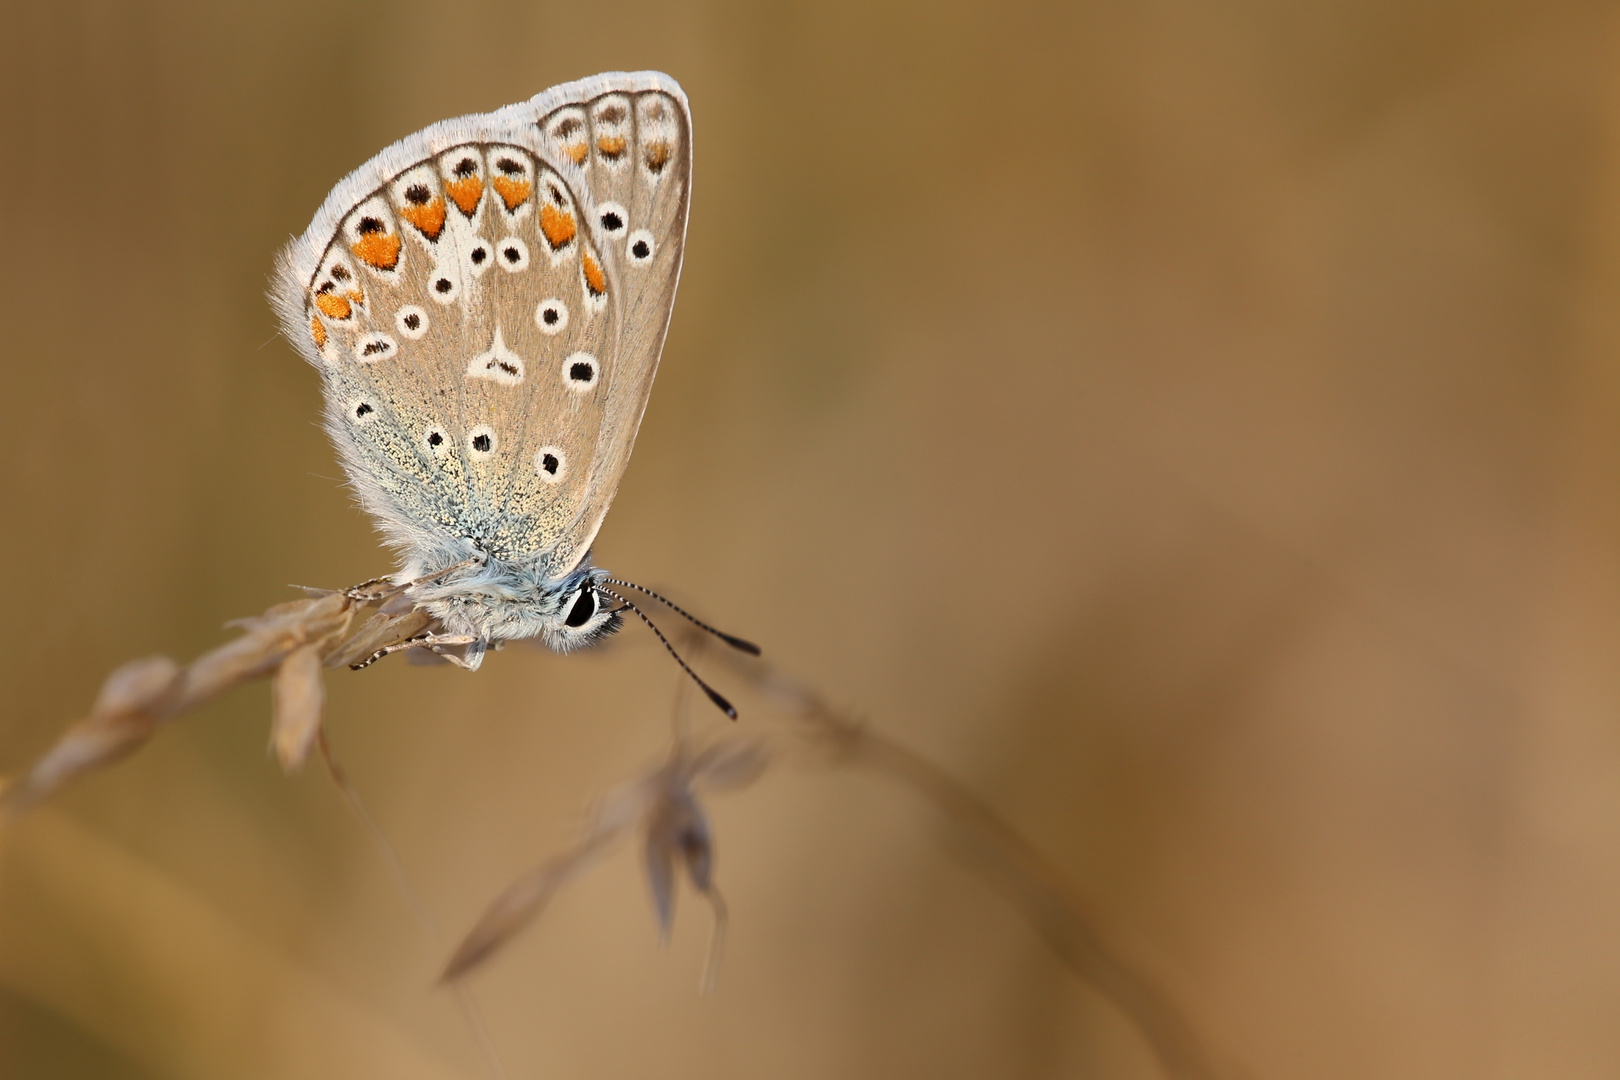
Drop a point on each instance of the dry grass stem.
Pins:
(291, 642)
(1010, 863)
(664, 804)
(379, 840)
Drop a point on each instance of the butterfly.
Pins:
(486, 301)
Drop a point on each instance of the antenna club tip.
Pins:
(738, 643)
(721, 703)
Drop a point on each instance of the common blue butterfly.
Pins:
(486, 301)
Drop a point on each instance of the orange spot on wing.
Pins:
(378, 249)
(594, 278)
(318, 332)
(658, 155)
(333, 306)
(579, 152)
(514, 193)
(428, 217)
(611, 146)
(558, 225)
(466, 192)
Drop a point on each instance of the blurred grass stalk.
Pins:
(292, 642)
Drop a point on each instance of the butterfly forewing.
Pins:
(488, 304)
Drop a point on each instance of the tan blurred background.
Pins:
(1194, 426)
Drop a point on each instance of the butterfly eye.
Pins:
(583, 608)
(551, 316)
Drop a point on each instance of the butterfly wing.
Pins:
(487, 301)
(636, 171)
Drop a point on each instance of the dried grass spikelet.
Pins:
(297, 696)
(291, 642)
(664, 805)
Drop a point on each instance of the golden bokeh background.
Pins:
(1192, 426)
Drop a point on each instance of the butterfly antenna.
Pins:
(735, 642)
(714, 695)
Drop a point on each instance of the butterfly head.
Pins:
(488, 600)
(584, 615)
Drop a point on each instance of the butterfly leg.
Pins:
(369, 591)
(384, 587)
(471, 657)
(436, 642)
